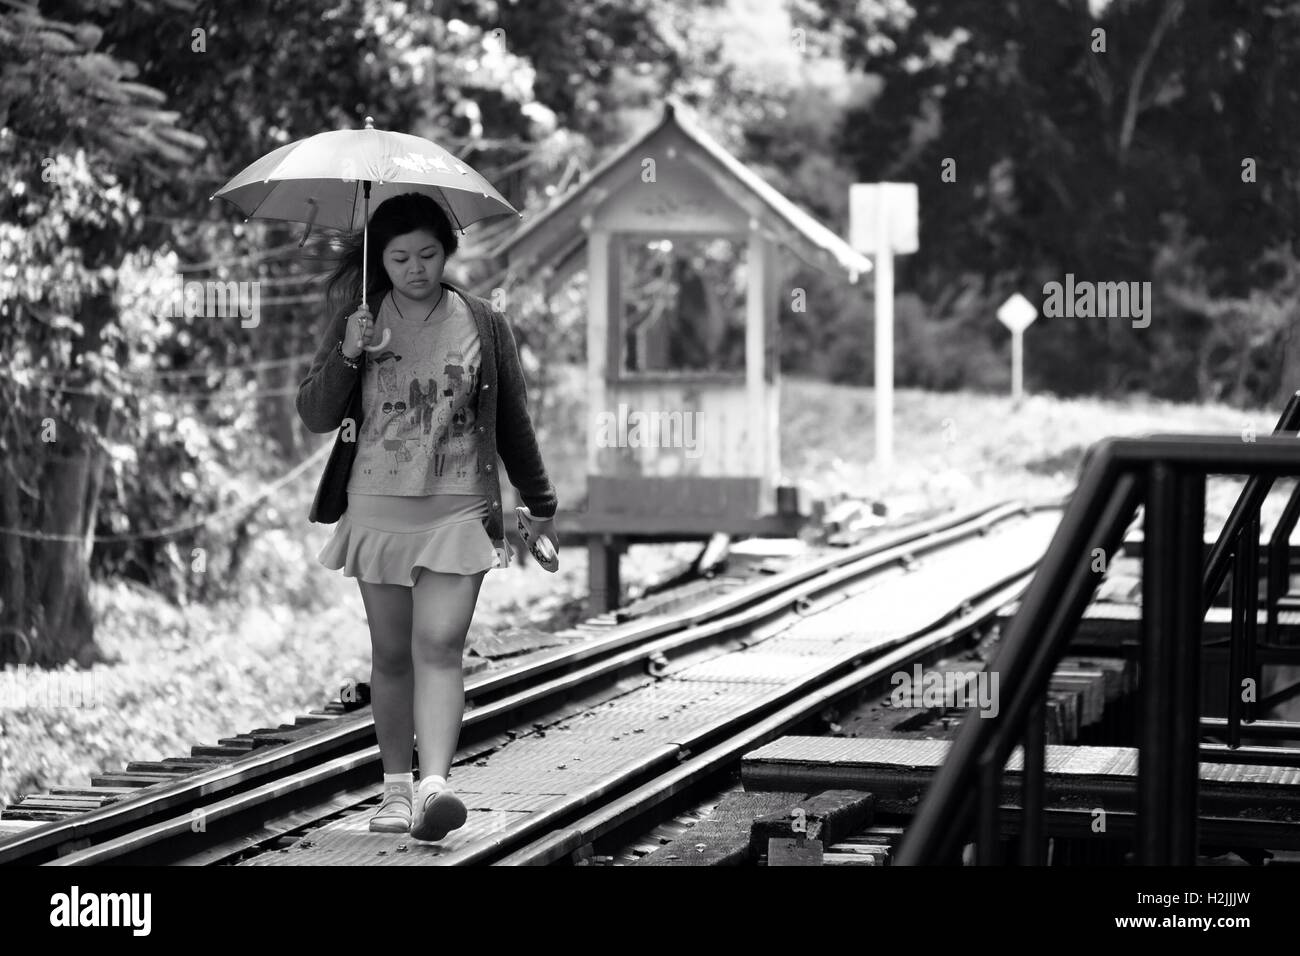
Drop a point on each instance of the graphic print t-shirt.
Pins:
(420, 403)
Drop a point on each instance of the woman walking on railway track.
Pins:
(418, 538)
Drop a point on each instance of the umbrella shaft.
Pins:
(365, 245)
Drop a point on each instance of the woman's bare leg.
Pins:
(443, 607)
(392, 687)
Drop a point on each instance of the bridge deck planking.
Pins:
(898, 769)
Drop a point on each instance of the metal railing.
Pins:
(1167, 475)
(1237, 547)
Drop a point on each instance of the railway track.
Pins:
(659, 796)
(307, 791)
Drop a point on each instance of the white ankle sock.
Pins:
(428, 781)
(407, 778)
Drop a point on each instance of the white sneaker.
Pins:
(439, 811)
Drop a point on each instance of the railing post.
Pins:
(1185, 739)
(1252, 618)
(1241, 641)
(1279, 562)
(1169, 697)
(1033, 848)
(987, 829)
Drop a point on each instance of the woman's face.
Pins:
(414, 262)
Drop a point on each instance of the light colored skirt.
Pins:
(385, 539)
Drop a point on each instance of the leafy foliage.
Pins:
(1110, 165)
(118, 121)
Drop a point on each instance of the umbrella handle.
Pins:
(383, 340)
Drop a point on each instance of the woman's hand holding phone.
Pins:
(539, 535)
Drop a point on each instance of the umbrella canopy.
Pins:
(329, 179)
(323, 180)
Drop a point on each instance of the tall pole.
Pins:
(884, 349)
(1017, 366)
(883, 224)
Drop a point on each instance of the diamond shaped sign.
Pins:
(1017, 313)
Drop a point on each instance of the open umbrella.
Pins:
(328, 180)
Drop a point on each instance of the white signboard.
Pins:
(1017, 313)
(885, 211)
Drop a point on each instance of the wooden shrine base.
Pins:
(608, 534)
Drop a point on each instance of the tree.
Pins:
(64, 225)
(117, 122)
(1088, 143)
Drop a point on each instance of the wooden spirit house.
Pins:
(683, 248)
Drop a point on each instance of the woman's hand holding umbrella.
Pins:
(361, 330)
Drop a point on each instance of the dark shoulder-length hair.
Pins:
(395, 216)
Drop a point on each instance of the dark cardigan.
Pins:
(331, 394)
